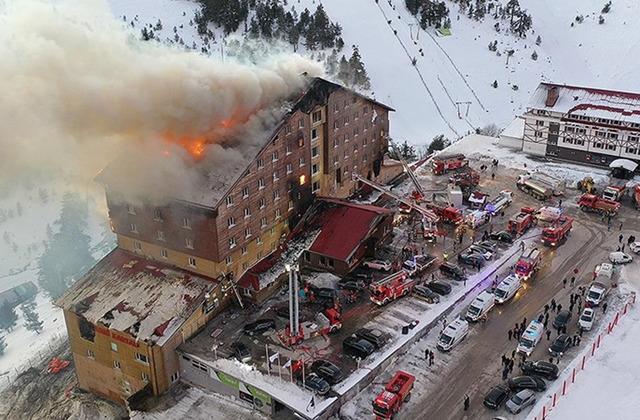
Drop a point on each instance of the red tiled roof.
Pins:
(344, 227)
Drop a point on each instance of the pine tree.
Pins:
(67, 253)
(606, 8)
(344, 72)
(601, 20)
(495, 84)
(31, 318)
(8, 316)
(538, 40)
(360, 77)
(439, 142)
(534, 56)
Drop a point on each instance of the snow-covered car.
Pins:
(378, 265)
(482, 251)
(585, 322)
(620, 257)
(635, 247)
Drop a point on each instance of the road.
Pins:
(474, 366)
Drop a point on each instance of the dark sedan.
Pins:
(547, 370)
(330, 372)
(423, 292)
(439, 287)
(496, 397)
(518, 383)
(560, 345)
(259, 326)
(562, 319)
(471, 259)
(357, 347)
(502, 236)
(317, 384)
(452, 271)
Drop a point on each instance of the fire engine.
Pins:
(466, 179)
(447, 214)
(614, 192)
(636, 196)
(502, 200)
(553, 235)
(397, 391)
(391, 288)
(528, 264)
(442, 163)
(477, 200)
(593, 203)
(325, 323)
(522, 221)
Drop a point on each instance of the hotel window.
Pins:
(600, 134)
(157, 215)
(247, 232)
(302, 179)
(346, 120)
(287, 129)
(275, 175)
(142, 358)
(231, 222)
(91, 354)
(246, 292)
(229, 201)
(245, 265)
(247, 212)
(314, 152)
(288, 149)
(314, 169)
(116, 364)
(192, 261)
(228, 260)
(262, 203)
(186, 223)
(244, 250)
(289, 168)
(164, 253)
(631, 150)
(335, 124)
(613, 136)
(145, 377)
(263, 222)
(276, 195)
(259, 240)
(188, 242)
(261, 183)
(316, 116)
(355, 149)
(260, 163)
(161, 236)
(278, 214)
(346, 138)
(314, 134)
(114, 347)
(274, 156)
(137, 246)
(611, 147)
(539, 123)
(316, 186)
(356, 132)
(598, 145)
(301, 142)
(232, 243)
(134, 228)
(336, 107)
(336, 142)
(301, 161)
(290, 205)
(301, 123)
(131, 209)
(245, 192)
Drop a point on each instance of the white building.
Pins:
(594, 126)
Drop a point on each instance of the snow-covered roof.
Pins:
(600, 103)
(515, 129)
(143, 298)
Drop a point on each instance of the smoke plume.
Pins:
(78, 89)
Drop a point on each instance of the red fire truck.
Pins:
(522, 221)
(397, 391)
(325, 323)
(442, 163)
(528, 264)
(391, 288)
(450, 215)
(465, 179)
(558, 232)
(593, 203)
(636, 196)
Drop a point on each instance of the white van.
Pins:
(596, 293)
(454, 333)
(530, 337)
(477, 218)
(507, 288)
(480, 306)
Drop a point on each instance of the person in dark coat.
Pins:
(466, 402)
(604, 307)
(559, 307)
(509, 333)
(548, 335)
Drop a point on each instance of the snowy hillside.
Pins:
(453, 69)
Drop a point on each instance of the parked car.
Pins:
(562, 319)
(635, 247)
(452, 271)
(260, 326)
(620, 258)
(496, 396)
(585, 322)
(502, 236)
(518, 383)
(241, 352)
(374, 336)
(520, 401)
(357, 347)
(560, 345)
(423, 292)
(378, 265)
(317, 384)
(476, 249)
(327, 370)
(486, 245)
(324, 293)
(547, 370)
(471, 259)
(351, 285)
(439, 287)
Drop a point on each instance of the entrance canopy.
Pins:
(627, 164)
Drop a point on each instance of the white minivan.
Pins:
(454, 333)
(507, 288)
(530, 338)
(480, 306)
